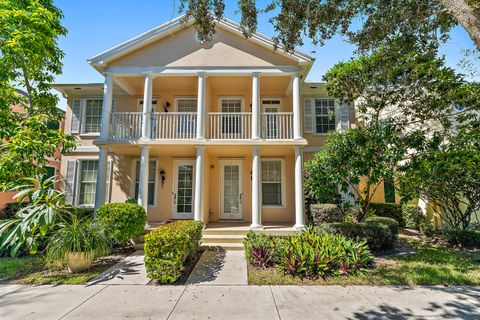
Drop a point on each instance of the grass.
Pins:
(434, 265)
(12, 268)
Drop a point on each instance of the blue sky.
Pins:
(96, 25)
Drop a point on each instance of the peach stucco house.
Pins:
(212, 132)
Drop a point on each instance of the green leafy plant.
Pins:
(463, 238)
(122, 221)
(169, 246)
(76, 243)
(413, 216)
(392, 224)
(37, 219)
(325, 213)
(10, 209)
(389, 210)
(259, 249)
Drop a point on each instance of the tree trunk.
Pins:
(467, 16)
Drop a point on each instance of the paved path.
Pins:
(130, 270)
(237, 302)
(220, 267)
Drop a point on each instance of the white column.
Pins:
(297, 133)
(201, 106)
(147, 106)
(256, 191)
(299, 197)
(256, 105)
(197, 209)
(143, 179)
(107, 107)
(101, 177)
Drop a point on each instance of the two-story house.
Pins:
(208, 131)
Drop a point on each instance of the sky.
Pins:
(97, 25)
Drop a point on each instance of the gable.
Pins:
(181, 49)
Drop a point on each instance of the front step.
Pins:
(223, 245)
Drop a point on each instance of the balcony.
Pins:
(126, 126)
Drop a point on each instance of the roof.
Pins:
(84, 89)
(176, 24)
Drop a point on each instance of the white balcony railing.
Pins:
(277, 125)
(183, 125)
(174, 125)
(230, 126)
(126, 125)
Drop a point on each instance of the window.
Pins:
(93, 115)
(186, 104)
(272, 193)
(152, 174)
(87, 182)
(324, 115)
(231, 105)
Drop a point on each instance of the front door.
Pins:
(183, 189)
(231, 189)
(270, 120)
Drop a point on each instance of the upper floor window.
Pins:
(87, 116)
(324, 115)
(188, 104)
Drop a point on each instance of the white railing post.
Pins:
(107, 107)
(256, 105)
(201, 106)
(147, 106)
(297, 134)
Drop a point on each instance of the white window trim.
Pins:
(154, 99)
(175, 100)
(280, 105)
(336, 107)
(241, 98)
(282, 172)
(77, 181)
(132, 186)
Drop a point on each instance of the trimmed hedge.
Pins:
(464, 238)
(325, 213)
(389, 210)
(168, 247)
(379, 234)
(82, 213)
(413, 216)
(122, 221)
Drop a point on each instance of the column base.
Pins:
(256, 227)
(299, 227)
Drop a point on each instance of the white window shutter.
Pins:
(70, 181)
(76, 116)
(344, 116)
(109, 181)
(308, 116)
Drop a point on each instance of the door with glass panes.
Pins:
(183, 189)
(231, 189)
(270, 120)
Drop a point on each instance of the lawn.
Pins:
(431, 264)
(33, 270)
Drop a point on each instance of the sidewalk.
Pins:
(237, 302)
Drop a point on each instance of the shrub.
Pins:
(123, 221)
(464, 238)
(81, 213)
(391, 223)
(315, 253)
(389, 210)
(10, 209)
(413, 216)
(325, 213)
(259, 249)
(378, 236)
(168, 247)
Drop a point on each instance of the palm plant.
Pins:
(76, 243)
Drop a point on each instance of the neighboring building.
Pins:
(207, 132)
(52, 167)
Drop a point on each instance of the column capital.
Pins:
(200, 148)
(149, 74)
(256, 74)
(202, 74)
(296, 75)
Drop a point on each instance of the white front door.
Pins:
(183, 189)
(231, 189)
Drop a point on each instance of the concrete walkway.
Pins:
(130, 270)
(237, 302)
(220, 267)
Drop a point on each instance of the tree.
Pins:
(447, 173)
(357, 161)
(425, 21)
(30, 59)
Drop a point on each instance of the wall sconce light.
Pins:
(162, 175)
(250, 175)
(166, 105)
